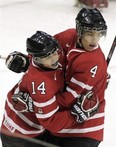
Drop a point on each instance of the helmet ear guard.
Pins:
(90, 19)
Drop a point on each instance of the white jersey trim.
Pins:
(48, 114)
(75, 50)
(73, 92)
(84, 130)
(81, 84)
(49, 102)
(17, 127)
(98, 115)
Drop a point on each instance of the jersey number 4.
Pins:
(93, 71)
(40, 87)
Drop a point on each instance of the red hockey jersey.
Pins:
(42, 87)
(85, 71)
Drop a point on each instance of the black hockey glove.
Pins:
(17, 62)
(22, 102)
(86, 106)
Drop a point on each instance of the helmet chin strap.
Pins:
(79, 43)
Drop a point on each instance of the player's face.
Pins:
(50, 61)
(90, 39)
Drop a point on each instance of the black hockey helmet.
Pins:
(41, 44)
(90, 19)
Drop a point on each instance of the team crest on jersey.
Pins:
(40, 111)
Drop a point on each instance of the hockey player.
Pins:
(31, 105)
(86, 70)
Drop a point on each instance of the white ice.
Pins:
(19, 19)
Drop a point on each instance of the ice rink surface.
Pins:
(20, 19)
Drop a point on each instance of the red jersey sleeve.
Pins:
(86, 71)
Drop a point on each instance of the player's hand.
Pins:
(17, 62)
(86, 106)
(108, 80)
(22, 102)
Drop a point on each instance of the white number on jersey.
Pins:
(93, 71)
(41, 88)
